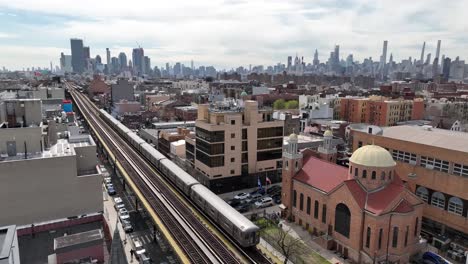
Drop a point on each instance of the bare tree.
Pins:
(287, 244)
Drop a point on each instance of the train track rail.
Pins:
(198, 242)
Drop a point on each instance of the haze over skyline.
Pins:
(228, 33)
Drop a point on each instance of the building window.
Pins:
(294, 198)
(233, 159)
(316, 209)
(270, 132)
(308, 205)
(286, 165)
(342, 219)
(364, 174)
(233, 122)
(380, 238)
(455, 205)
(351, 169)
(460, 169)
(270, 143)
(368, 236)
(390, 175)
(404, 156)
(374, 175)
(434, 164)
(233, 147)
(382, 176)
(438, 200)
(232, 172)
(233, 135)
(301, 202)
(296, 165)
(422, 193)
(355, 172)
(324, 213)
(416, 224)
(359, 144)
(269, 154)
(406, 236)
(244, 133)
(395, 237)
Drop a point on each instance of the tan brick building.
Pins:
(237, 141)
(434, 163)
(364, 212)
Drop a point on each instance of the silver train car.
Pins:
(232, 222)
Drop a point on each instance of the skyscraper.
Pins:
(316, 59)
(86, 52)
(383, 60)
(122, 61)
(77, 53)
(147, 65)
(438, 50)
(289, 62)
(422, 53)
(108, 56)
(138, 60)
(446, 68)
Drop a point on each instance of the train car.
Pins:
(234, 223)
(152, 154)
(124, 131)
(135, 140)
(178, 176)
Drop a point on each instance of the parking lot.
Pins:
(249, 203)
(142, 228)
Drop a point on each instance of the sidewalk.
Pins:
(299, 232)
(111, 217)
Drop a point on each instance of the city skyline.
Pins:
(215, 33)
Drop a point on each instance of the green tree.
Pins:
(293, 104)
(279, 104)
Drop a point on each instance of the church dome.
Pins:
(293, 136)
(328, 133)
(372, 156)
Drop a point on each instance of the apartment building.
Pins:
(434, 164)
(47, 167)
(380, 111)
(235, 144)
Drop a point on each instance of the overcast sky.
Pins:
(229, 33)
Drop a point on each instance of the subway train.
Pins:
(232, 222)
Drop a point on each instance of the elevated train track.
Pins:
(196, 243)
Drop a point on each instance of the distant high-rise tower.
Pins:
(147, 65)
(422, 52)
(108, 56)
(383, 60)
(122, 60)
(438, 49)
(77, 53)
(446, 68)
(316, 59)
(138, 60)
(86, 52)
(289, 62)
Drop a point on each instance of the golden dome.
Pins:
(293, 136)
(372, 156)
(328, 133)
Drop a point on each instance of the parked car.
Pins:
(118, 203)
(258, 191)
(145, 259)
(242, 208)
(430, 257)
(107, 180)
(242, 196)
(277, 198)
(273, 189)
(111, 190)
(234, 202)
(138, 247)
(264, 202)
(127, 226)
(123, 214)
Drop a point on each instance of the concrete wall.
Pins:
(86, 158)
(32, 136)
(38, 190)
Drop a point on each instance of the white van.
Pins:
(264, 202)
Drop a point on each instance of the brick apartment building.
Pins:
(364, 212)
(235, 144)
(380, 111)
(434, 164)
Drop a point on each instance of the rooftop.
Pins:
(7, 234)
(429, 136)
(79, 238)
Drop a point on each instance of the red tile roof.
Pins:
(321, 174)
(403, 207)
(378, 201)
(358, 193)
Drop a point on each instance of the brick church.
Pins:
(364, 212)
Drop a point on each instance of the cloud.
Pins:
(233, 33)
